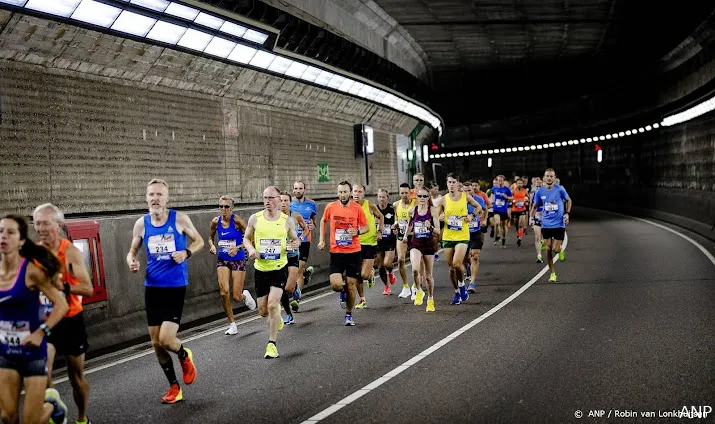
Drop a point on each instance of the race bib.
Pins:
(225, 246)
(343, 238)
(387, 230)
(551, 207)
(454, 222)
(474, 226)
(421, 229)
(46, 304)
(538, 215)
(519, 203)
(499, 202)
(161, 244)
(270, 249)
(12, 333)
(402, 225)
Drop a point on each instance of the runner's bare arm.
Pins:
(248, 238)
(137, 237)
(435, 220)
(212, 234)
(183, 222)
(292, 233)
(381, 218)
(323, 223)
(239, 223)
(75, 266)
(301, 222)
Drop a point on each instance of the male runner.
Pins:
(557, 206)
(69, 337)
(386, 245)
(562, 253)
(231, 264)
(164, 232)
(501, 195)
(293, 257)
(455, 240)
(475, 235)
(491, 220)
(308, 210)
(402, 213)
(347, 221)
(368, 241)
(266, 241)
(536, 222)
(518, 210)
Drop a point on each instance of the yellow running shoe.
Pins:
(419, 297)
(280, 322)
(271, 351)
(430, 305)
(361, 305)
(552, 279)
(562, 255)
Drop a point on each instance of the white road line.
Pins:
(425, 353)
(693, 242)
(188, 339)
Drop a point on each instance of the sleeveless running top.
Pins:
(389, 220)
(403, 215)
(421, 224)
(519, 200)
(20, 315)
(455, 213)
(475, 224)
(73, 300)
(228, 238)
(369, 238)
(291, 253)
(161, 242)
(270, 242)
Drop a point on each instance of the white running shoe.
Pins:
(404, 293)
(413, 294)
(248, 299)
(232, 329)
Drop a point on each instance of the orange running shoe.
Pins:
(188, 368)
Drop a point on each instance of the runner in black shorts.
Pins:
(293, 259)
(423, 223)
(308, 210)
(386, 246)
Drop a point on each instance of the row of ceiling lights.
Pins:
(111, 17)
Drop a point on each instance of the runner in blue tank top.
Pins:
(163, 232)
(231, 264)
(290, 289)
(308, 210)
(25, 270)
(475, 235)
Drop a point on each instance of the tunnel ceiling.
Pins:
(494, 59)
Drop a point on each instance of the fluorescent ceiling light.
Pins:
(484, 152)
(14, 2)
(296, 69)
(346, 85)
(502, 150)
(336, 81)
(233, 29)
(158, 5)
(449, 155)
(558, 144)
(262, 59)
(539, 147)
(166, 32)
(280, 65)
(255, 36)
(508, 149)
(476, 153)
(324, 77)
(209, 21)
(551, 144)
(656, 125)
(182, 11)
(96, 13)
(364, 91)
(491, 151)
(133, 23)
(628, 132)
(220, 47)
(641, 129)
(648, 128)
(311, 74)
(63, 8)
(195, 40)
(460, 154)
(242, 54)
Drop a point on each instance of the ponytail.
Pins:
(33, 252)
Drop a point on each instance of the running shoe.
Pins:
(430, 305)
(271, 351)
(405, 292)
(472, 288)
(59, 409)
(543, 245)
(491, 233)
(280, 322)
(392, 278)
(308, 275)
(343, 299)
(288, 320)
(553, 278)
(349, 321)
(463, 293)
(518, 242)
(419, 297)
(562, 255)
(387, 291)
(436, 257)
(296, 293)
(413, 293)
(173, 395)
(456, 300)
(294, 305)
(232, 329)
(188, 368)
(371, 281)
(361, 305)
(539, 259)
(249, 300)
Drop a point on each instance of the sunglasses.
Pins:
(224, 206)
(422, 196)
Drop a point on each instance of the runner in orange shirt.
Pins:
(518, 210)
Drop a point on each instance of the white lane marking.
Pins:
(693, 242)
(188, 339)
(422, 355)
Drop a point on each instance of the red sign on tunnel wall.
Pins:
(85, 237)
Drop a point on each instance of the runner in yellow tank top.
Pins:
(455, 237)
(402, 217)
(368, 241)
(265, 241)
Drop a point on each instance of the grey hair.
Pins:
(227, 198)
(57, 213)
(158, 181)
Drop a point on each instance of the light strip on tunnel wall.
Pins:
(111, 16)
(550, 145)
(688, 114)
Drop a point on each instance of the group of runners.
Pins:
(42, 283)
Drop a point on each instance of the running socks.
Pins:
(182, 353)
(285, 302)
(168, 368)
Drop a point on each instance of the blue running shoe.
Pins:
(296, 294)
(288, 320)
(463, 293)
(456, 300)
(343, 300)
(472, 288)
(349, 321)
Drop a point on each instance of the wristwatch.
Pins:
(188, 253)
(45, 329)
